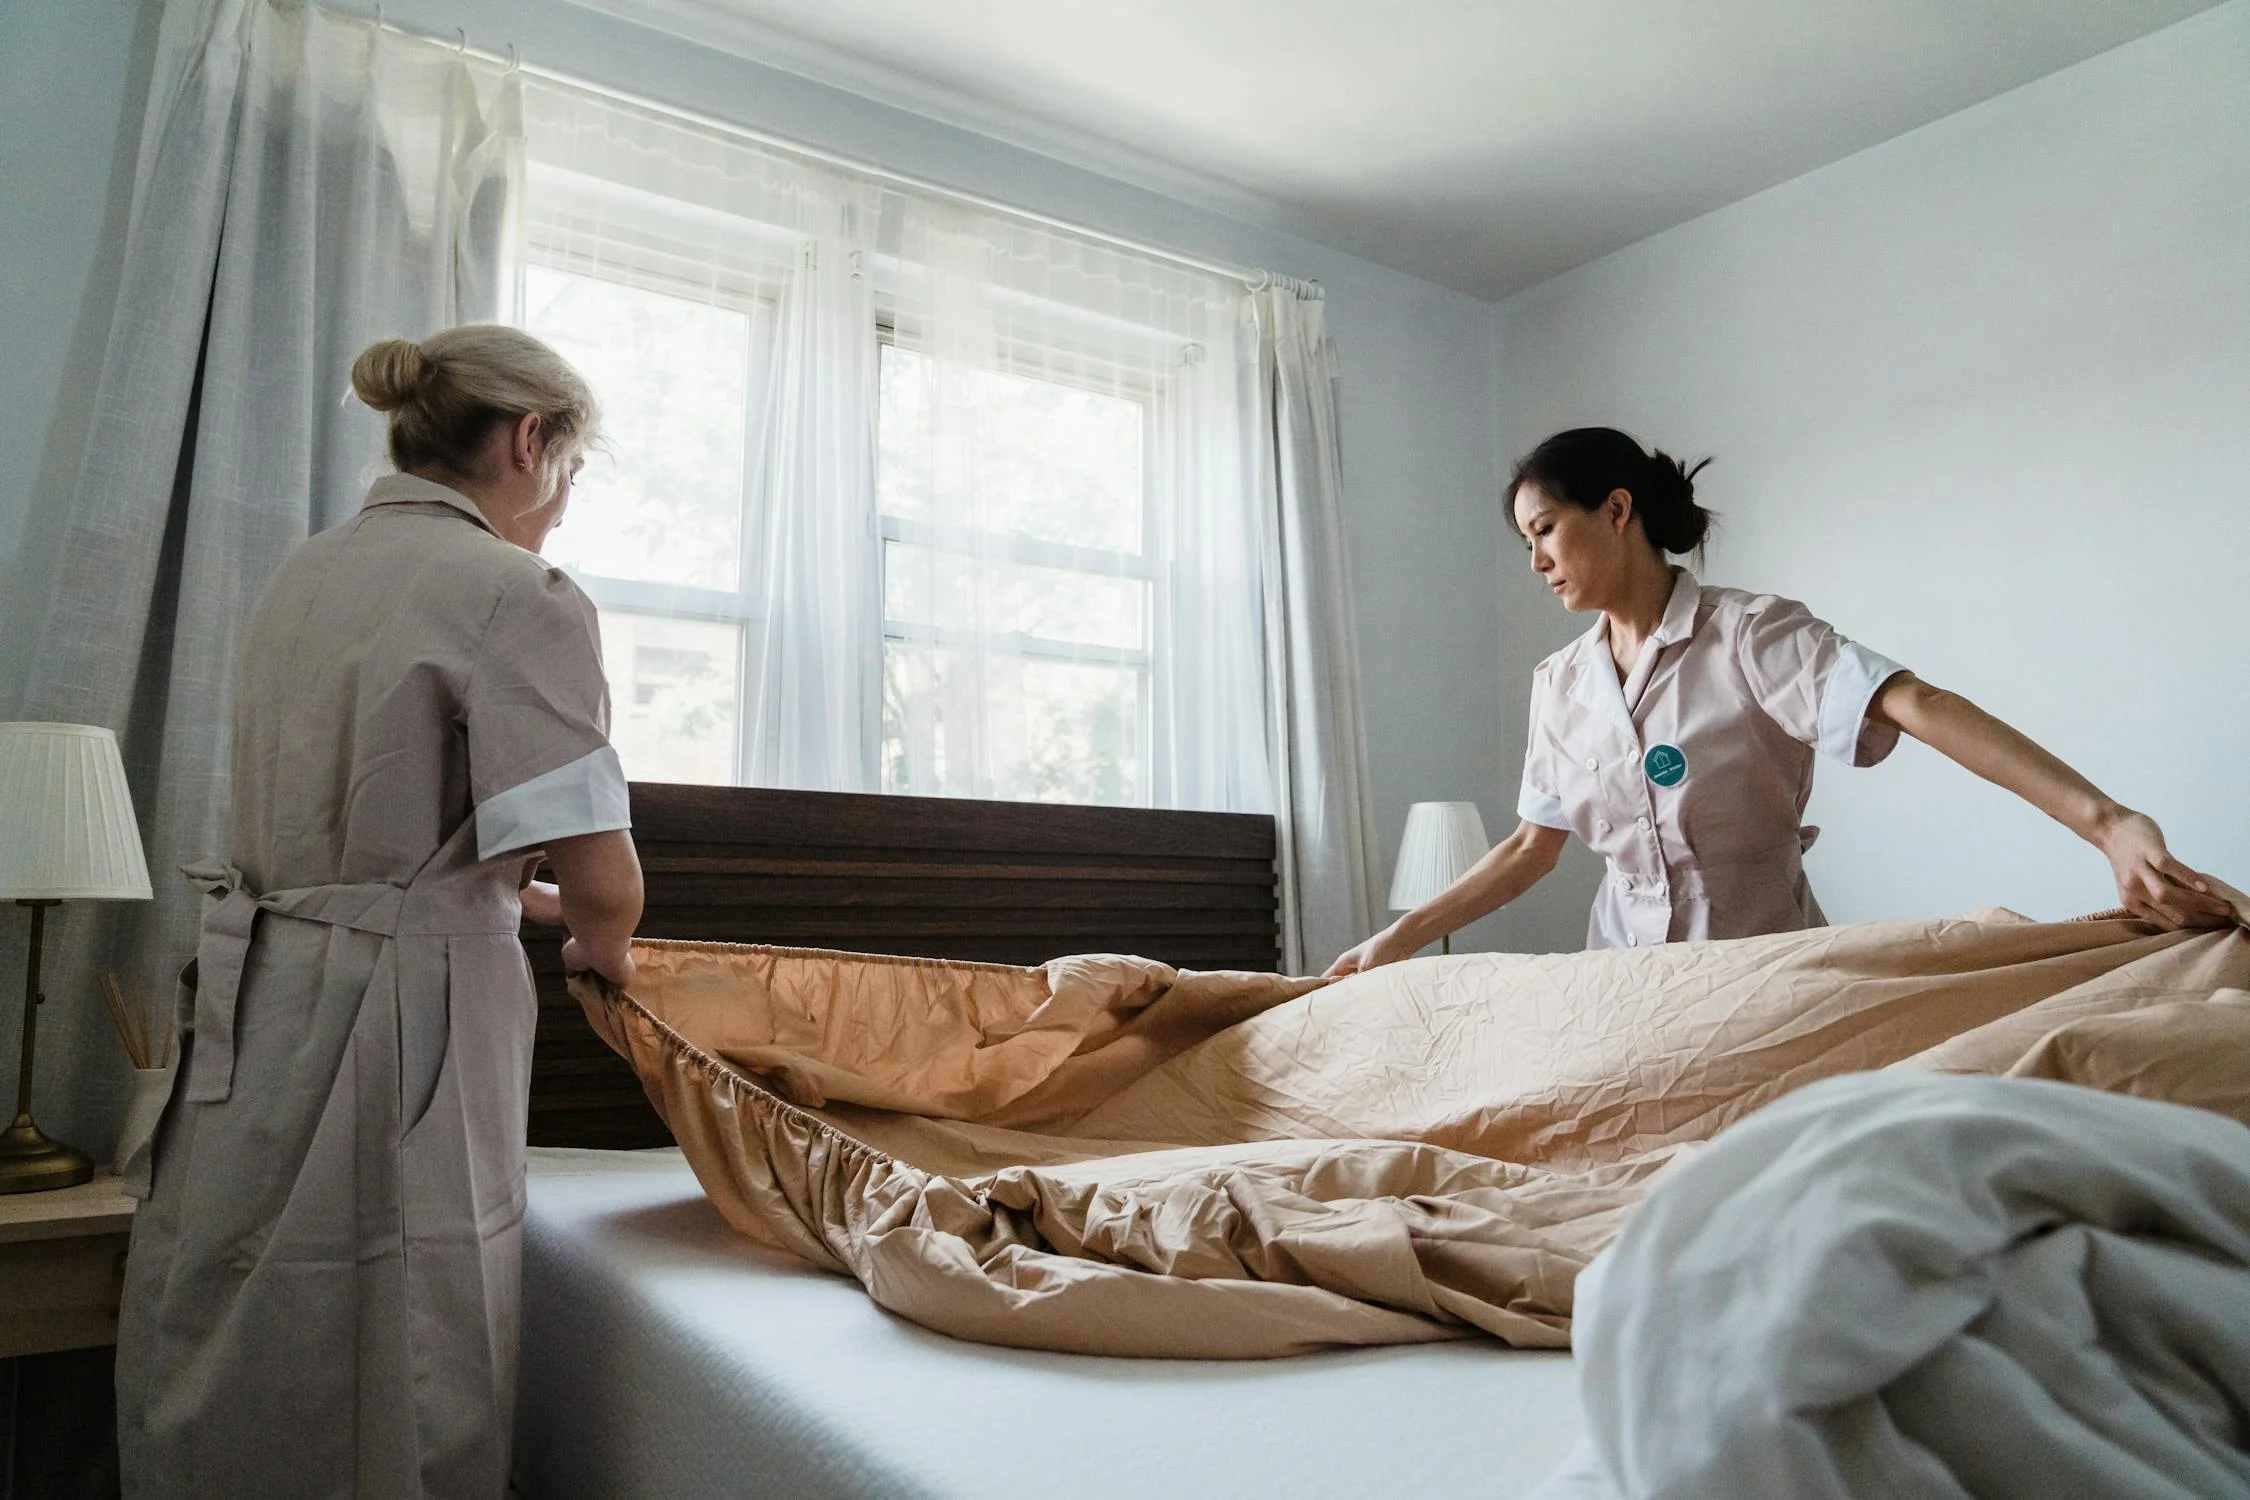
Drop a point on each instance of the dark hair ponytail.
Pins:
(1580, 468)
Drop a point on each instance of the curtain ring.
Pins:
(515, 58)
(378, 18)
(461, 48)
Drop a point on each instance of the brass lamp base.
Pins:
(29, 1162)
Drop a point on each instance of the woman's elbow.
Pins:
(1538, 848)
(1907, 702)
(599, 872)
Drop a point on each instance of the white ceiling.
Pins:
(1484, 144)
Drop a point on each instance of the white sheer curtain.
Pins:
(910, 495)
(719, 297)
(903, 496)
(1319, 742)
(305, 186)
(1068, 510)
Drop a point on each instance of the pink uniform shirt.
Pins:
(1691, 776)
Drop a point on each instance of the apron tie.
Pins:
(230, 915)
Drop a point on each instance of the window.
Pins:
(658, 532)
(1044, 602)
(898, 496)
(1018, 583)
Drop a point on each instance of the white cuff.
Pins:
(586, 796)
(1543, 808)
(1852, 684)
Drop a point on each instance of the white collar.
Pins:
(1596, 686)
(1679, 611)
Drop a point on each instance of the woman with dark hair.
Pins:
(1676, 737)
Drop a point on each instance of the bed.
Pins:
(666, 1355)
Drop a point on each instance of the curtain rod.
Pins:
(1254, 280)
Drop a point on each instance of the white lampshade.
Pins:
(1442, 840)
(66, 818)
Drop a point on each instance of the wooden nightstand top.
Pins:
(62, 1266)
(97, 1207)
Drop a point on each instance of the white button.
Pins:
(1632, 942)
(1592, 764)
(1641, 823)
(1601, 825)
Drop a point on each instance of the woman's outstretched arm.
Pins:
(2150, 882)
(1512, 866)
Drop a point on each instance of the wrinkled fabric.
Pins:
(1111, 1156)
(1941, 1287)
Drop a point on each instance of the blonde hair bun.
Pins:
(388, 373)
(446, 393)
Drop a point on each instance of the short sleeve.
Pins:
(1813, 682)
(1540, 799)
(537, 714)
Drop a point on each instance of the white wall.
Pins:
(1981, 396)
(1416, 396)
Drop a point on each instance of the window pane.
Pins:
(664, 504)
(1018, 728)
(675, 689)
(963, 446)
(924, 586)
(1083, 733)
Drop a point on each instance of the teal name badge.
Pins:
(1666, 765)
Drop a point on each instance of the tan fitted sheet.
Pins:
(1110, 1156)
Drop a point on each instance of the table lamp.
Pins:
(1442, 840)
(66, 834)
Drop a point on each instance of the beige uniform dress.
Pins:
(1691, 776)
(321, 1295)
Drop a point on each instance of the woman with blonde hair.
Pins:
(321, 1296)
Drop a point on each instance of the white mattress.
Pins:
(666, 1356)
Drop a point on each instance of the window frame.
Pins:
(1036, 342)
(746, 291)
(1027, 358)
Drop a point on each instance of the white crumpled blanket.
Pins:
(1903, 1285)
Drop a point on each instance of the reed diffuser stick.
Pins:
(135, 1028)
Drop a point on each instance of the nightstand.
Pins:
(62, 1266)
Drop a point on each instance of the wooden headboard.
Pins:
(933, 877)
